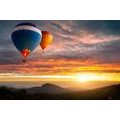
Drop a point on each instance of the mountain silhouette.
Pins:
(47, 88)
(53, 92)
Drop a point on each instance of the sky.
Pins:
(78, 47)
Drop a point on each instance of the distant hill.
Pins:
(54, 92)
(47, 88)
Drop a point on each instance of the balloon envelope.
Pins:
(26, 37)
(46, 39)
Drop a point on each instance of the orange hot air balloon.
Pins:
(46, 39)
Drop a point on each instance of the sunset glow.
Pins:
(81, 77)
(81, 52)
(89, 77)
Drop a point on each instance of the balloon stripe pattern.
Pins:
(26, 37)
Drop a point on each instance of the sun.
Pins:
(85, 77)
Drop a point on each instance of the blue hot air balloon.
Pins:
(26, 37)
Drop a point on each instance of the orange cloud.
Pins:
(59, 66)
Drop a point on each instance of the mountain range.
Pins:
(53, 92)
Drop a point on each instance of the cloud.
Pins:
(97, 41)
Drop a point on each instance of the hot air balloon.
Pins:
(46, 39)
(26, 37)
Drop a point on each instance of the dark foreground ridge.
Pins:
(54, 92)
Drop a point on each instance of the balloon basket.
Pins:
(24, 60)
